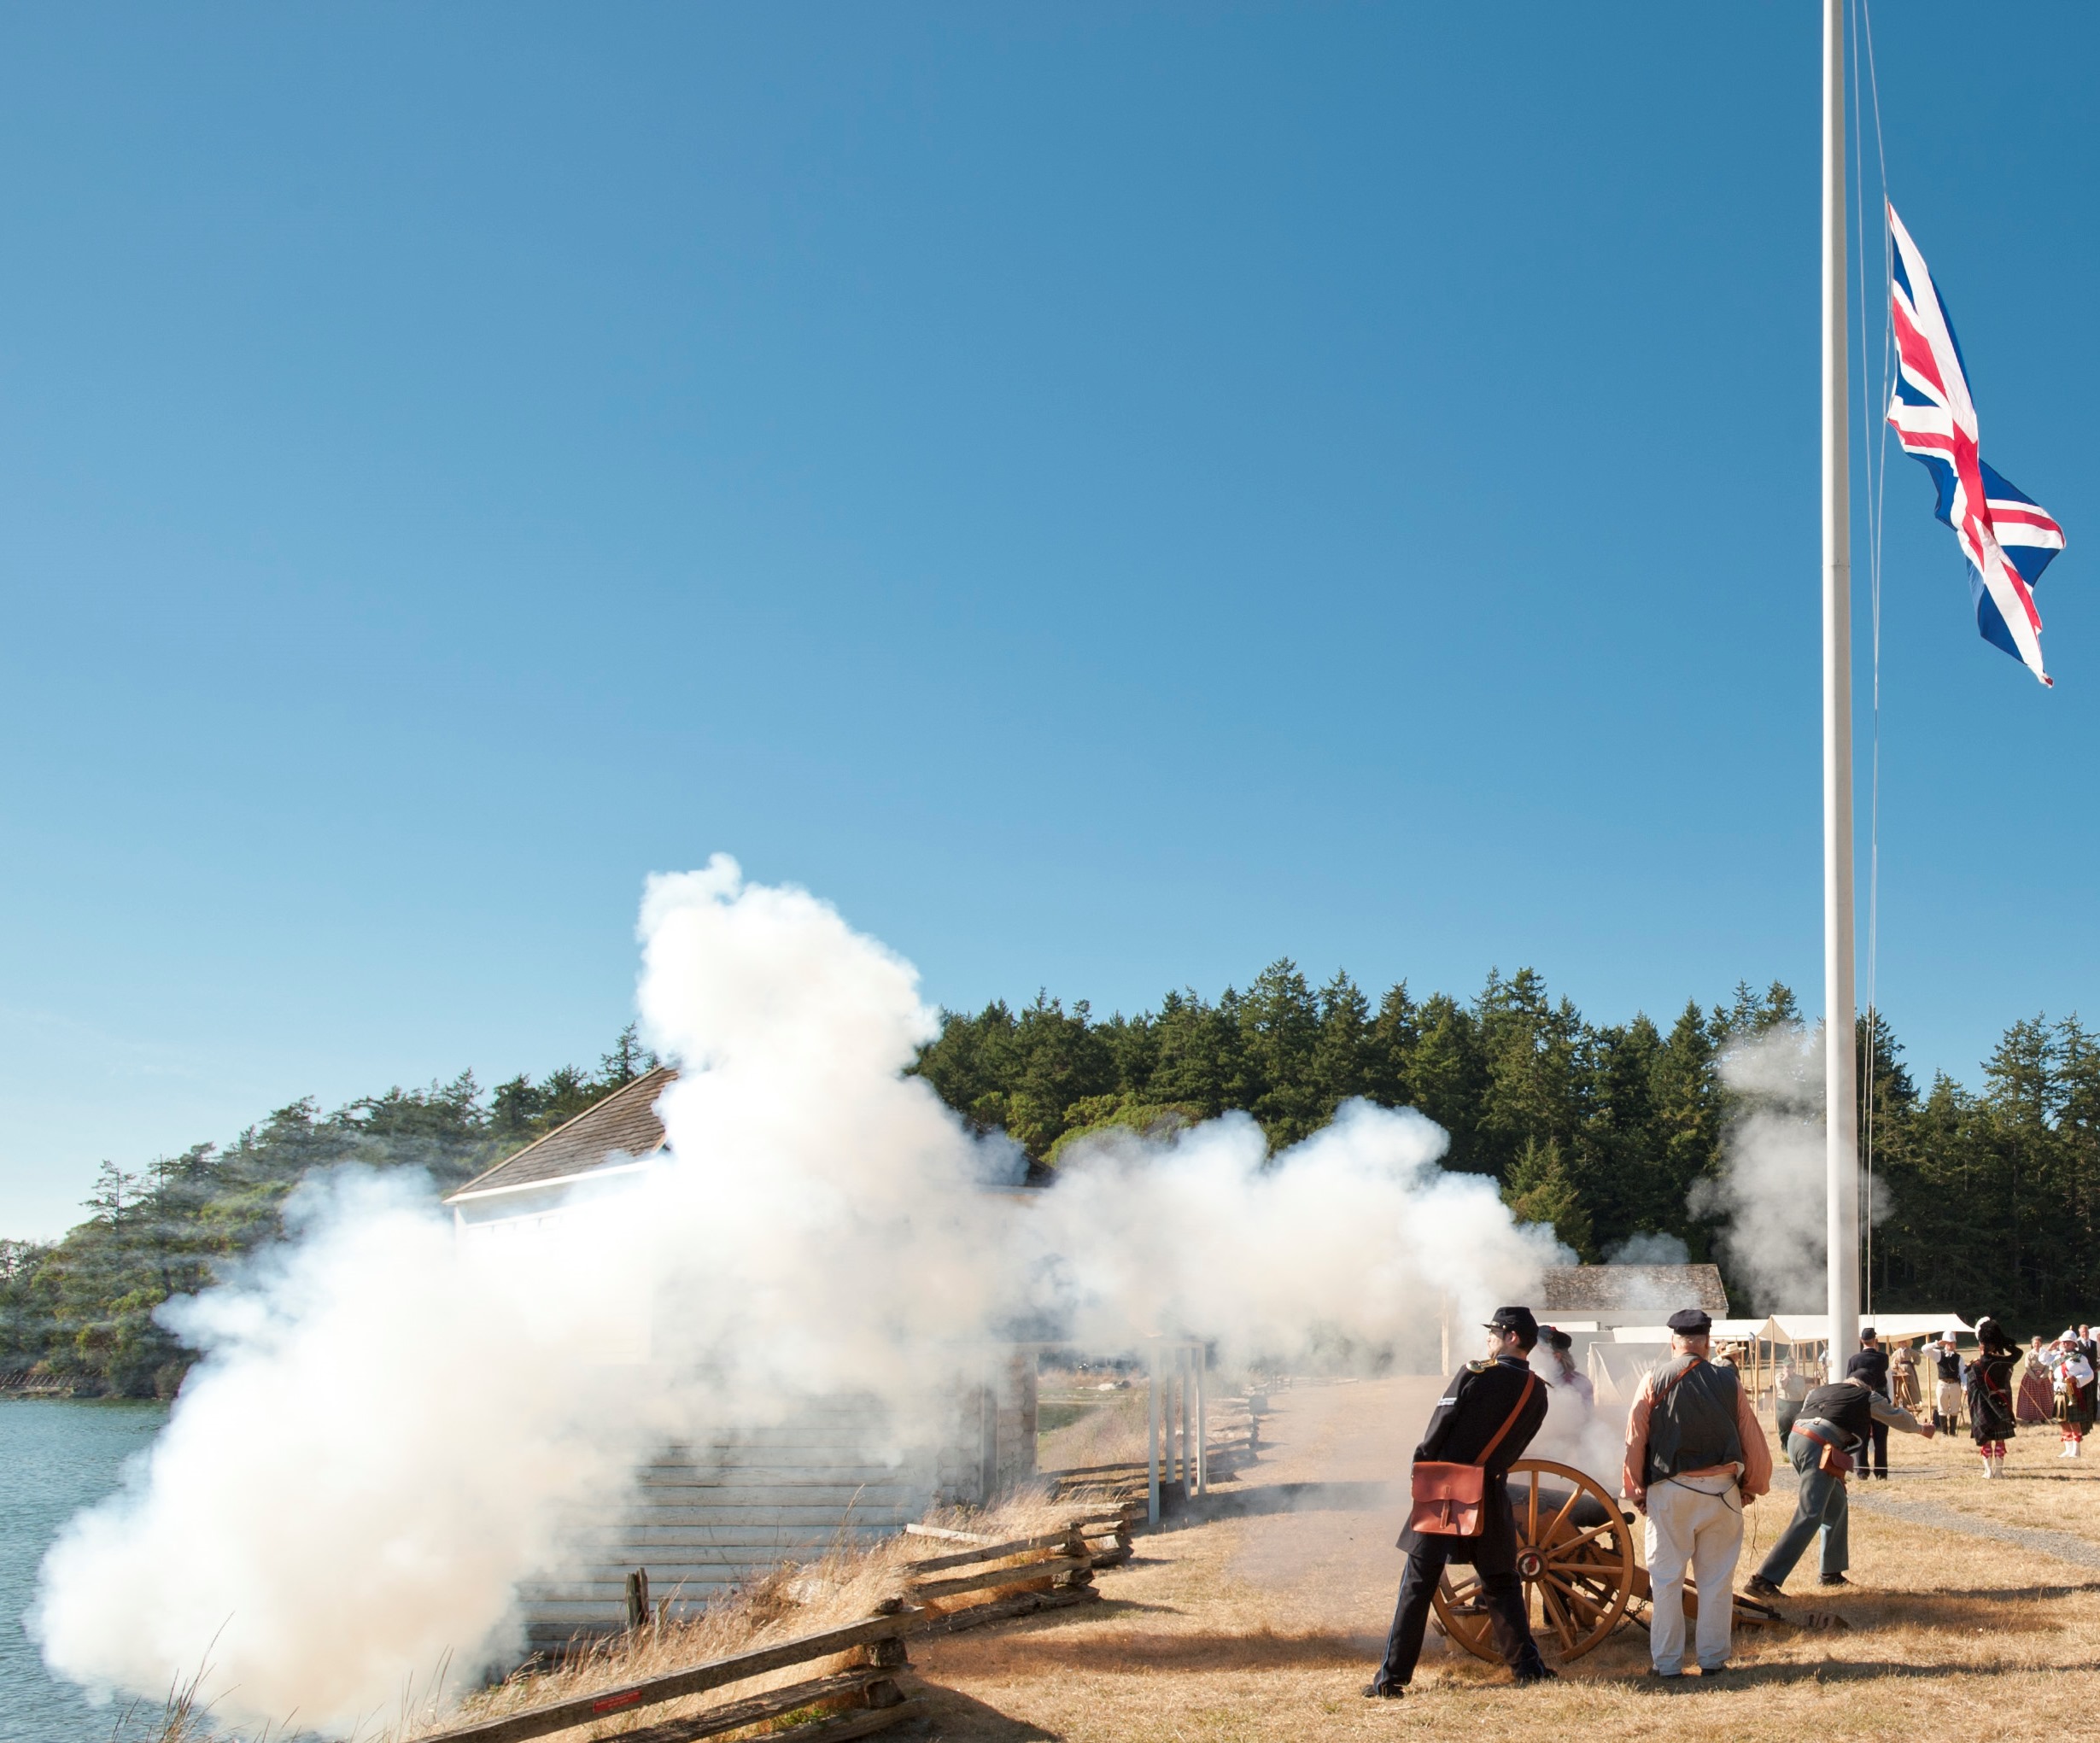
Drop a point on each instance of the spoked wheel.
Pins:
(1575, 1555)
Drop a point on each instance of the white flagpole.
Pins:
(1841, 1158)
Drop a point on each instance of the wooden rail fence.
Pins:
(1234, 1442)
(1045, 1570)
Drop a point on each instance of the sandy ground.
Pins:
(1977, 1609)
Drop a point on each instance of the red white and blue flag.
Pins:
(2007, 536)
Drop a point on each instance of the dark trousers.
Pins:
(1501, 1595)
(1878, 1438)
(1821, 1508)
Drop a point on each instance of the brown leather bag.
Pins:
(1450, 1501)
(1834, 1461)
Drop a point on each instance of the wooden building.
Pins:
(1630, 1295)
(706, 1518)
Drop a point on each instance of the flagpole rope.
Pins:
(1876, 453)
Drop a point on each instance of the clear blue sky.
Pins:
(1110, 495)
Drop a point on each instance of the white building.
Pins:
(708, 1518)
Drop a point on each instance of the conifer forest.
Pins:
(1988, 1194)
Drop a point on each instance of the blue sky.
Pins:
(1110, 495)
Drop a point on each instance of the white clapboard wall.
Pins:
(704, 1520)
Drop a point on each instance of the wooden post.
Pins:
(1200, 1355)
(1075, 1547)
(1170, 1360)
(638, 1599)
(888, 1654)
(1182, 1366)
(987, 1442)
(1152, 1435)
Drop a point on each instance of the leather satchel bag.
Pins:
(1450, 1501)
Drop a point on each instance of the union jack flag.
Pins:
(2007, 536)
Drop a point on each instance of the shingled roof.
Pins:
(623, 1124)
(1592, 1288)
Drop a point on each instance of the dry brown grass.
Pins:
(1267, 1627)
(1112, 1429)
(842, 1587)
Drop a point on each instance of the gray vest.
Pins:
(1692, 1425)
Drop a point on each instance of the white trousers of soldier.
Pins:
(1948, 1399)
(1699, 1529)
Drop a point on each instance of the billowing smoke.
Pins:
(1348, 1242)
(380, 1441)
(1648, 1248)
(389, 1430)
(1770, 1194)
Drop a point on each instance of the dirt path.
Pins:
(1315, 1525)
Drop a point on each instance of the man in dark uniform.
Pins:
(1476, 1402)
(1870, 1365)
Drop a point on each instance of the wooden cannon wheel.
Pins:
(1576, 1578)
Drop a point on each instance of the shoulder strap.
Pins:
(1522, 1399)
(1663, 1391)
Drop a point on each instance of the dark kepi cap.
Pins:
(1691, 1322)
(1559, 1339)
(1517, 1319)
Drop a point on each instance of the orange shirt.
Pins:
(1755, 1473)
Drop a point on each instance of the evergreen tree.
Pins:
(1388, 1050)
(1538, 1191)
(1449, 1070)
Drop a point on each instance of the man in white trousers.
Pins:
(1695, 1457)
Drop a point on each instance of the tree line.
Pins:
(1603, 1130)
(79, 1312)
(1988, 1197)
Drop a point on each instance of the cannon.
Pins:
(1576, 1557)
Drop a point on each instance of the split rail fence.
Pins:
(1014, 1577)
(1189, 1448)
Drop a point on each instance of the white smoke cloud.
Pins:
(389, 1430)
(380, 1442)
(1648, 1248)
(1771, 1192)
(1349, 1240)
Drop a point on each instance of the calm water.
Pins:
(55, 1457)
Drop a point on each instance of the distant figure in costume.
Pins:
(2074, 1387)
(2038, 1388)
(1566, 1376)
(1990, 1395)
(1869, 1366)
(1903, 1378)
(1946, 1384)
(1790, 1385)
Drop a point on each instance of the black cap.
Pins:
(1691, 1322)
(1867, 1333)
(1560, 1339)
(1518, 1320)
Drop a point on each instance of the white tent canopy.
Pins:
(1804, 1328)
(1815, 1327)
(1724, 1331)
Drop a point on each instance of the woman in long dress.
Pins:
(2038, 1392)
(1990, 1395)
(1903, 1378)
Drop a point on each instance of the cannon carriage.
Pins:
(1577, 1561)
